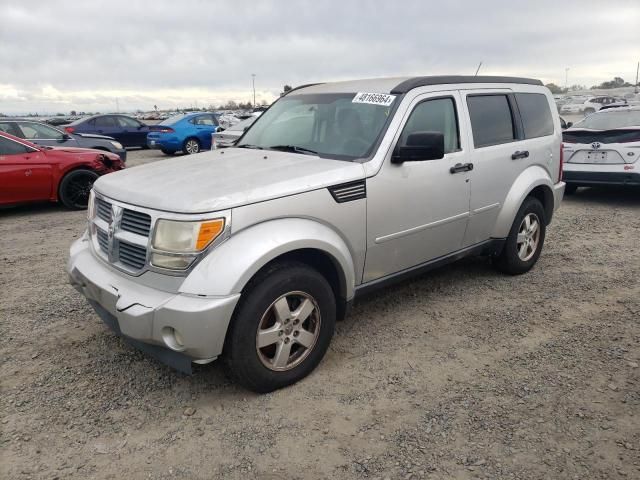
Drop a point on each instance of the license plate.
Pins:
(596, 157)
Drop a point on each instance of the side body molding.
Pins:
(228, 268)
(529, 179)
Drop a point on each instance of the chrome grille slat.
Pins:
(103, 209)
(103, 240)
(132, 255)
(136, 222)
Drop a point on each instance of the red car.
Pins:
(30, 173)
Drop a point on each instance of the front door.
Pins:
(417, 211)
(25, 174)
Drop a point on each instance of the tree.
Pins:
(617, 82)
(555, 89)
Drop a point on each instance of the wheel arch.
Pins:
(534, 181)
(64, 173)
(230, 266)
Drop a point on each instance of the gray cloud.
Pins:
(68, 52)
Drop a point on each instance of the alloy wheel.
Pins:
(192, 146)
(528, 237)
(288, 331)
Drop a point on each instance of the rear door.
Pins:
(205, 125)
(25, 174)
(505, 143)
(107, 125)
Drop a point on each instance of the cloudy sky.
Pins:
(57, 56)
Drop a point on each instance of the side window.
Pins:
(437, 115)
(105, 122)
(535, 113)
(10, 128)
(204, 120)
(491, 120)
(9, 147)
(127, 122)
(34, 131)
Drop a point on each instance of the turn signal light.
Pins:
(209, 231)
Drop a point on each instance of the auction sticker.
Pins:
(374, 98)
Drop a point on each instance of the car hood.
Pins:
(223, 179)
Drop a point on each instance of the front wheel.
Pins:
(75, 188)
(526, 237)
(282, 328)
(191, 146)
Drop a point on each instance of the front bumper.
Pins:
(146, 316)
(593, 174)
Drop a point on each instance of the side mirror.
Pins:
(569, 124)
(420, 146)
(65, 137)
(220, 129)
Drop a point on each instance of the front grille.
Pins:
(132, 256)
(103, 240)
(103, 209)
(136, 222)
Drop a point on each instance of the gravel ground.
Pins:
(464, 373)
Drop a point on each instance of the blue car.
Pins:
(126, 130)
(189, 132)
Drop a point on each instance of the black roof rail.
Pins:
(302, 86)
(416, 82)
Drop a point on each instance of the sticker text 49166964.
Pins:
(381, 99)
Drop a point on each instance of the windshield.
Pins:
(334, 125)
(610, 120)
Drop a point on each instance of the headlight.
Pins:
(117, 145)
(176, 243)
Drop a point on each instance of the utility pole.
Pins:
(478, 69)
(637, 68)
(253, 83)
(566, 78)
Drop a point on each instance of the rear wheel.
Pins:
(75, 188)
(526, 238)
(282, 328)
(191, 146)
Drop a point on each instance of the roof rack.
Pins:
(416, 82)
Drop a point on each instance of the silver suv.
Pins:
(251, 253)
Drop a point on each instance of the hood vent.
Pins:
(349, 191)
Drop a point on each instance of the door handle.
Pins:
(27, 173)
(461, 167)
(519, 154)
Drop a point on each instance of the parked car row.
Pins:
(31, 173)
(43, 134)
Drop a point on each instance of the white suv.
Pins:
(251, 253)
(603, 149)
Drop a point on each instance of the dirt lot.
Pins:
(464, 373)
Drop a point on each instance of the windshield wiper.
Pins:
(246, 145)
(294, 149)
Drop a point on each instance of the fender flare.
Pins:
(229, 267)
(526, 182)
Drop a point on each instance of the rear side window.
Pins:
(535, 114)
(105, 122)
(491, 120)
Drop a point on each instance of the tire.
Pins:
(191, 146)
(167, 152)
(75, 187)
(269, 304)
(570, 188)
(519, 257)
